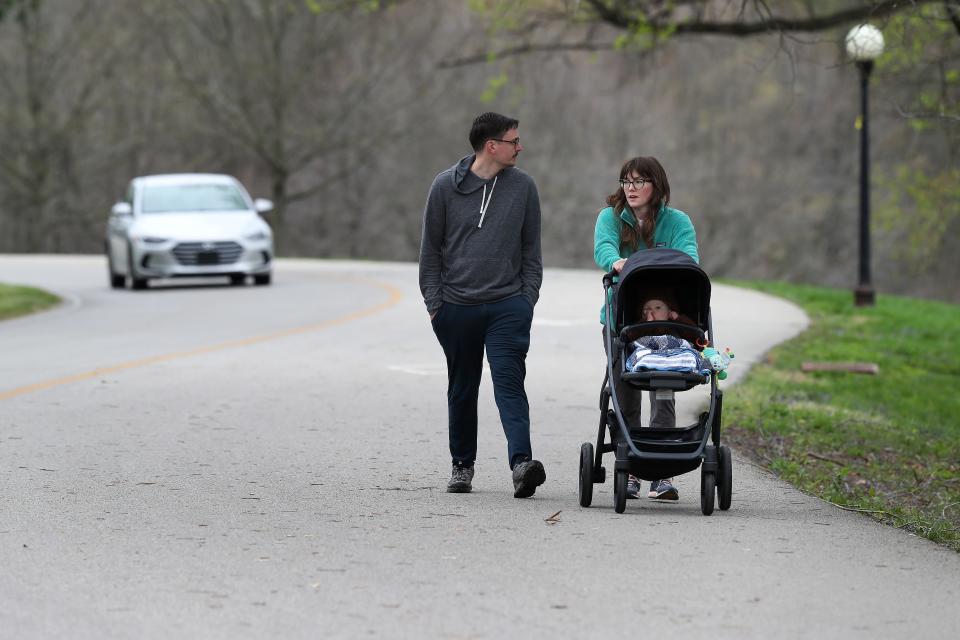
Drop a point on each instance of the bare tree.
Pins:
(285, 83)
(53, 61)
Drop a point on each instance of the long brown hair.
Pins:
(649, 168)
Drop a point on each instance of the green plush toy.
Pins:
(718, 361)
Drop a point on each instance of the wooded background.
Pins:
(343, 112)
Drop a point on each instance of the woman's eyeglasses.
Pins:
(636, 184)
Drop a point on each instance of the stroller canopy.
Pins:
(653, 270)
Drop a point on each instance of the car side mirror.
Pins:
(122, 209)
(262, 205)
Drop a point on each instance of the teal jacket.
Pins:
(673, 231)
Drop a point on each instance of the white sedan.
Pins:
(188, 225)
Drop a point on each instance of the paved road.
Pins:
(219, 462)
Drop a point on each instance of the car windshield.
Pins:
(171, 198)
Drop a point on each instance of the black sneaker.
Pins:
(633, 487)
(527, 476)
(663, 490)
(460, 480)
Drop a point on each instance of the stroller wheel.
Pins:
(585, 488)
(725, 479)
(708, 491)
(619, 491)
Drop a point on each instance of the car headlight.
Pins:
(257, 235)
(150, 239)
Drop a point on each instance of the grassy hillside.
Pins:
(887, 445)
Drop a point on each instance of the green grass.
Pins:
(17, 301)
(888, 444)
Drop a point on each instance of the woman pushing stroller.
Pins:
(638, 218)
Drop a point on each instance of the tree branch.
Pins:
(525, 49)
(809, 24)
(656, 18)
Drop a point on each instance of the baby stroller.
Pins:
(655, 453)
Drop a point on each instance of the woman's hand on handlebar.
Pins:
(618, 265)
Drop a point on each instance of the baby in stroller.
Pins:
(665, 350)
(661, 304)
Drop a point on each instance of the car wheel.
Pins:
(116, 281)
(136, 283)
(237, 279)
(263, 279)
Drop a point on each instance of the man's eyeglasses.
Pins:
(515, 142)
(636, 184)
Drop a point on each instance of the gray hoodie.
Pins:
(464, 262)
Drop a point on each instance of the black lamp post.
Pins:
(864, 44)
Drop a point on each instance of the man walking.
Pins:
(480, 275)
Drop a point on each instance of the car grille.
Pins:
(207, 253)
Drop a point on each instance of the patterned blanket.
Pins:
(665, 353)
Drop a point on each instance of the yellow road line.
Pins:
(395, 297)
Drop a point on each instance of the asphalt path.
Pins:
(205, 461)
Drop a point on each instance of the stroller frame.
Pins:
(651, 453)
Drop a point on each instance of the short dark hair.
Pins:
(490, 125)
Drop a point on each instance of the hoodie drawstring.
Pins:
(485, 201)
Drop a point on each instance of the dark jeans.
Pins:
(662, 412)
(503, 329)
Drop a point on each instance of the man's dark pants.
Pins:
(503, 329)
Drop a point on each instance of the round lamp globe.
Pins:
(864, 43)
